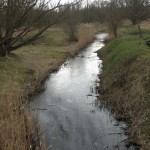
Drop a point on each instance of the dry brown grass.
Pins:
(17, 127)
(109, 38)
(128, 93)
(86, 34)
(146, 24)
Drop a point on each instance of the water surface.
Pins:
(69, 111)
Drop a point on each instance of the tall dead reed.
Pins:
(86, 33)
(17, 127)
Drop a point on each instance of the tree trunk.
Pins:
(115, 31)
(133, 20)
(3, 51)
(140, 32)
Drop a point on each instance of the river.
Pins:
(69, 111)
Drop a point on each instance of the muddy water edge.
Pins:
(69, 111)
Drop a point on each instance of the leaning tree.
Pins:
(23, 21)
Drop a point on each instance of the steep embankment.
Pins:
(125, 84)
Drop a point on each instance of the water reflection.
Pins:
(71, 116)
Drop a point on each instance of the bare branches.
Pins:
(137, 11)
(114, 15)
(21, 17)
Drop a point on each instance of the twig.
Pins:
(58, 106)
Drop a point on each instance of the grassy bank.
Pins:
(125, 84)
(22, 74)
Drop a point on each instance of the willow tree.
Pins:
(114, 15)
(23, 21)
(138, 11)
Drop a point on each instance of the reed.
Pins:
(86, 33)
(17, 127)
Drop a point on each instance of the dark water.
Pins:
(69, 112)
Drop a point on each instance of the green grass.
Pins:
(131, 30)
(127, 45)
(15, 71)
(54, 38)
(54, 52)
(12, 70)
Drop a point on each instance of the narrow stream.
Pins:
(69, 111)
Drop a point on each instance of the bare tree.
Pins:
(138, 11)
(72, 22)
(114, 15)
(20, 18)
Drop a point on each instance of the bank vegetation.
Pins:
(22, 74)
(36, 37)
(125, 82)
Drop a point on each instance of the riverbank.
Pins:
(21, 75)
(125, 84)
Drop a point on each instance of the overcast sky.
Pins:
(64, 1)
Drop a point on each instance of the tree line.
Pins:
(112, 13)
(23, 21)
